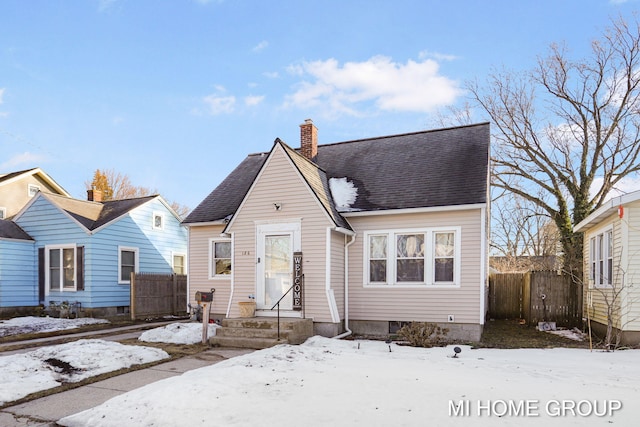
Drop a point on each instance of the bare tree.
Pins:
(117, 186)
(523, 237)
(568, 131)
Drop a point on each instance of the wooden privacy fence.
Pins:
(536, 296)
(154, 295)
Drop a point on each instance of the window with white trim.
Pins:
(127, 263)
(601, 258)
(179, 264)
(60, 265)
(33, 190)
(413, 257)
(158, 221)
(220, 258)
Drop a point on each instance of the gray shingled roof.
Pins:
(93, 215)
(11, 230)
(434, 168)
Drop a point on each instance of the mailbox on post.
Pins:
(205, 296)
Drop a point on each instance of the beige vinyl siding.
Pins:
(279, 182)
(198, 261)
(595, 306)
(631, 307)
(15, 195)
(420, 302)
(338, 243)
(626, 271)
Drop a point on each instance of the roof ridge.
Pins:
(405, 134)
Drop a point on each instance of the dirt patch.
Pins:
(513, 334)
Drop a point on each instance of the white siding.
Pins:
(626, 271)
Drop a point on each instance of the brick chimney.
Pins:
(94, 195)
(309, 139)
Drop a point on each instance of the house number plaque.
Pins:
(297, 280)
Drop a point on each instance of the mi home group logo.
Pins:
(534, 408)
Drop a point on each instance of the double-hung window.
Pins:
(127, 264)
(63, 268)
(179, 264)
(413, 257)
(220, 258)
(601, 258)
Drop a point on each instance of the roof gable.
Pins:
(607, 209)
(14, 176)
(444, 167)
(318, 182)
(92, 215)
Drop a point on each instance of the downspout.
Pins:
(346, 289)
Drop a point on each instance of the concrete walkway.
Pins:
(47, 410)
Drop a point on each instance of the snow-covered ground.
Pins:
(51, 366)
(369, 383)
(31, 324)
(359, 382)
(178, 333)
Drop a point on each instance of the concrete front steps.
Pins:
(261, 332)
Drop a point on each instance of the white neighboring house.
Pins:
(612, 266)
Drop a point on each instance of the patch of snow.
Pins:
(32, 324)
(26, 373)
(178, 333)
(344, 193)
(573, 334)
(370, 383)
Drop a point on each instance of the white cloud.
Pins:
(437, 56)
(628, 184)
(253, 100)
(414, 86)
(260, 46)
(21, 159)
(271, 74)
(218, 104)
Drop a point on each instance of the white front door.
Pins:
(276, 244)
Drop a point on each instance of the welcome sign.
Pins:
(297, 280)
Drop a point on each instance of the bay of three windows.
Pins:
(413, 257)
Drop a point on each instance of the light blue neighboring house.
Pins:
(83, 251)
(18, 271)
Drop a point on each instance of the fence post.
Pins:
(526, 297)
(132, 293)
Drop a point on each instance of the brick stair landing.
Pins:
(261, 332)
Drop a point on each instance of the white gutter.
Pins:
(346, 289)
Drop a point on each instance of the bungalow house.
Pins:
(83, 251)
(368, 233)
(612, 267)
(17, 188)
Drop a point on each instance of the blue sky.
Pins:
(176, 93)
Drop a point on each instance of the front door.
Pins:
(276, 244)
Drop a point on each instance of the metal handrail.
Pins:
(278, 304)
